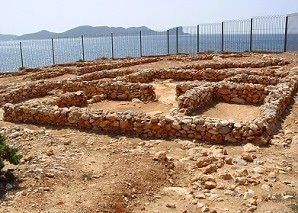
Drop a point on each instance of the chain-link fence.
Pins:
(10, 55)
(96, 47)
(274, 34)
(268, 33)
(154, 43)
(187, 39)
(292, 33)
(236, 35)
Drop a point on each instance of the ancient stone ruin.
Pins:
(49, 101)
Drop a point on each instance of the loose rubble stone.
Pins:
(248, 194)
(210, 169)
(200, 205)
(250, 148)
(160, 156)
(210, 185)
(226, 176)
(205, 161)
(239, 162)
(247, 157)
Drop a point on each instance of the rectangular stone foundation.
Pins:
(272, 90)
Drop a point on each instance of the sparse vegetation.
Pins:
(7, 153)
(295, 207)
(87, 176)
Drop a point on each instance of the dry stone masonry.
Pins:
(269, 88)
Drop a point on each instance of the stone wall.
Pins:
(35, 89)
(182, 87)
(105, 74)
(141, 124)
(202, 93)
(27, 91)
(213, 71)
(204, 56)
(83, 68)
(270, 88)
(195, 98)
(255, 79)
(265, 62)
(276, 102)
(121, 64)
(70, 99)
(241, 93)
(114, 90)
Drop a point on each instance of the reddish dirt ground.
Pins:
(237, 112)
(166, 100)
(69, 170)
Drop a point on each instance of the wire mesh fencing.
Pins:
(10, 56)
(292, 33)
(268, 33)
(187, 39)
(67, 50)
(155, 43)
(236, 35)
(210, 37)
(36, 53)
(274, 33)
(96, 47)
(127, 45)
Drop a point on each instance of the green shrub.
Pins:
(8, 154)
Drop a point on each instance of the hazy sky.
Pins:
(26, 16)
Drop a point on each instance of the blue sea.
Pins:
(38, 53)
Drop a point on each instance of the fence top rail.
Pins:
(239, 20)
(211, 24)
(292, 15)
(156, 32)
(269, 17)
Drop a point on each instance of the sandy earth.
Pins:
(121, 106)
(237, 112)
(166, 100)
(68, 170)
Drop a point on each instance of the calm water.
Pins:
(39, 52)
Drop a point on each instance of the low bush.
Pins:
(8, 154)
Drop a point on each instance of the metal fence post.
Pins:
(141, 52)
(168, 41)
(198, 38)
(222, 36)
(286, 34)
(53, 51)
(83, 48)
(21, 52)
(177, 40)
(250, 37)
(112, 42)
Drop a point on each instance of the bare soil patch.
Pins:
(121, 106)
(238, 112)
(166, 100)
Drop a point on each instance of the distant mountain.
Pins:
(7, 37)
(39, 35)
(78, 31)
(103, 30)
